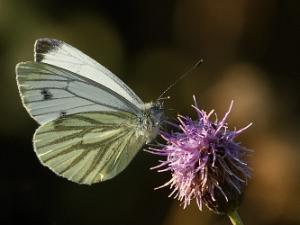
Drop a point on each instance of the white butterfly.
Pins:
(92, 124)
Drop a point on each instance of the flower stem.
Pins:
(235, 218)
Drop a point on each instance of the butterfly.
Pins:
(91, 123)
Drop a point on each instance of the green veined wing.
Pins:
(88, 147)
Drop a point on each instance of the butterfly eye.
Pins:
(157, 108)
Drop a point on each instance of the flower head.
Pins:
(205, 161)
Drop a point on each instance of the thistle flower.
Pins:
(205, 161)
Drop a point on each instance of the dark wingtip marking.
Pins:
(46, 94)
(43, 46)
(38, 57)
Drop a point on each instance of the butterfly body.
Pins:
(92, 124)
(150, 120)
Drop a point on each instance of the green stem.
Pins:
(235, 218)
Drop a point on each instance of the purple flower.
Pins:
(205, 161)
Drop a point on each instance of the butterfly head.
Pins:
(156, 112)
(151, 119)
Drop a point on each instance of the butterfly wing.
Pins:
(88, 147)
(63, 55)
(49, 92)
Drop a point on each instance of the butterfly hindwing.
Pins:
(63, 55)
(48, 92)
(88, 147)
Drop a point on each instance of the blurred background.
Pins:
(251, 52)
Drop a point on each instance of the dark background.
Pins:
(251, 53)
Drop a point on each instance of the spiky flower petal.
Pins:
(205, 161)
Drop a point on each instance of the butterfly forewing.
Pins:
(49, 92)
(63, 55)
(88, 147)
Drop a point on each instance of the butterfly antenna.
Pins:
(195, 66)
